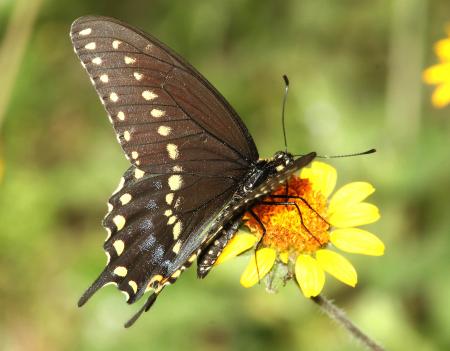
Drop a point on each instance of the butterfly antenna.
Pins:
(367, 152)
(286, 90)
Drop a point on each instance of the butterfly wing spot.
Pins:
(119, 221)
(177, 168)
(114, 97)
(121, 115)
(176, 248)
(129, 60)
(108, 234)
(120, 186)
(175, 181)
(115, 44)
(192, 258)
(85, 32)
(127, 135)
(173, 152)
(134, 155)
(133, 286)
(90, 46)
(97, 61)
(169, 198)
(110, 207)
(120, 271)
(148, 94)
(168, 213)
(157, 113)
(108, 257)
(171, 220)
(119, 245)
(177, 230)
(125, 198)
(138, 174)
(127, 296)
(176, 274)
(138, 76)
(164, 130)
(104, 78)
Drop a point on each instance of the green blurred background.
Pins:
(355, 70)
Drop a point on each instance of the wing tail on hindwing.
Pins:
(150, 217)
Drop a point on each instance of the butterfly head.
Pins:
(281, 160)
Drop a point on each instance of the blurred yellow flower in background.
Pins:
(439, 74)
(299, 236)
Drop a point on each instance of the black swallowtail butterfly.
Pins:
(194, 171)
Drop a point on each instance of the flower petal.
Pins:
(350, 194)
(442, 49)
(265, 258)
(310, 276)
(322, 176)
(436, 74)
(236, 246)
(284, 257)
(355, 240)
(338, 266)
(441, 95)
(355, 215)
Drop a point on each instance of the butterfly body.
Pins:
(194, 171)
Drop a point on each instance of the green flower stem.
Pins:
(338, 315)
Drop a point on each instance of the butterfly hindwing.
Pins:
(149, 221)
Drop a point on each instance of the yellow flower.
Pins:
(299, 236)
(439, 74)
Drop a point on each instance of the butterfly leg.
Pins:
(210, 253)
(258, 244)
(286, 197)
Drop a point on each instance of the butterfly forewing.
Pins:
(165, 114)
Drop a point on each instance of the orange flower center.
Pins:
(299, 228)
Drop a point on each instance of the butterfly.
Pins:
(195, 169)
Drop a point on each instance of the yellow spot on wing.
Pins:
(85, 32)
(120, 271)
(164, 130)
(108, 234)
(129, 60)
(119, 245)
(138, 174)
(173, 152)
(114, 97)
(119, 221)
(133, 286)
(169, 198)
(157, 112)
(134, 155)
(104, 78)
(177, 230)
(138, 76)
(127, 135)
(175, 181)
(147, 94)
(121, 115)
(116, 43)
(90, 46)
(125, 198)
(172, 220)
(97, 61)
(120, 186)
(176, 248)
